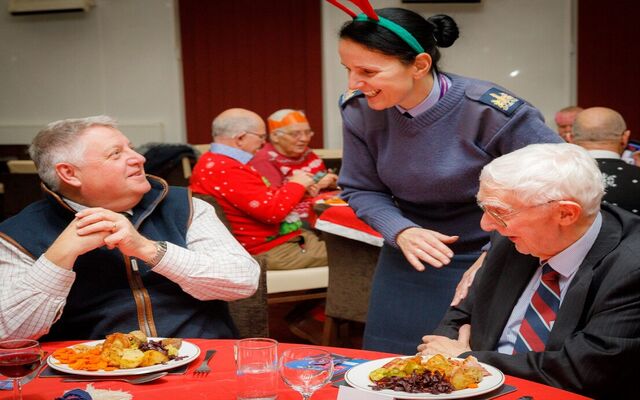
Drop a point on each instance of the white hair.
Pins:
(544, 172)
(58, 142)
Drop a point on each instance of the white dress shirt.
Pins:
(213, 266)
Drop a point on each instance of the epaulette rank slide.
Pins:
(500, 100)
(348, 95)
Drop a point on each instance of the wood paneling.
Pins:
(609, 58)
(255, 54)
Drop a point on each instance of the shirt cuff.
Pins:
(50, 278)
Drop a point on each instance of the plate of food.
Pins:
(333, 201)
(123, 354)
(431, 377)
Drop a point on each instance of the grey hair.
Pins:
(598, 125)
(58, 142)
(231, 125)
(543, 172)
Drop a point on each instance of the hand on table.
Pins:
(418, 244)
(434, 344)
(467, 279)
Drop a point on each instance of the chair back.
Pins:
(20, 187)
(250, 315)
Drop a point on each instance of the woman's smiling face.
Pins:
(383, 79)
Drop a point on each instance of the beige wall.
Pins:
(123, 58)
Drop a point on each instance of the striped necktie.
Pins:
(541, 313)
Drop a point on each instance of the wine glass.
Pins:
(18, 358)
(306, 369)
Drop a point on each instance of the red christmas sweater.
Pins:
(277, 168)
(254, 208)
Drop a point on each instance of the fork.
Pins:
(204, 369)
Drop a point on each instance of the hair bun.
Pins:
(446, 30)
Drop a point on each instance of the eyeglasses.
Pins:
(261, 136)
(298, 134)
(501, 217)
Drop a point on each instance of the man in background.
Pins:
(564, 121)
(256, 210)
(604, 134)
(111, 249)
(557, 299)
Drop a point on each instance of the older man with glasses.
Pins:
(257, 210)
(557, 298)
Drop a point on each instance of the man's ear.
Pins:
(68, 174)
(624, 139)
(422, 65)
(569, 212)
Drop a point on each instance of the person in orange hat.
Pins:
(287, 151)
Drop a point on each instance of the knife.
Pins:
(8, 384)
(31, 376)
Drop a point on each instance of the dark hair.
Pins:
(436, 31)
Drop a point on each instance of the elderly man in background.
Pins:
(604, 134)
(557, 299)
(256, 210)
(113, 250)
(287, 151)
(564, 121)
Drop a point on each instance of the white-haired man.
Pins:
(557, 299)
(111, 249)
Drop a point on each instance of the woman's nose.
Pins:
(355, 82)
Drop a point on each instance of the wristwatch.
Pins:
(161, 249)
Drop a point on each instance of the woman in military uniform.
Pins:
(415, 140)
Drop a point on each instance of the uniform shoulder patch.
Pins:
(501, 100)
(348, 95)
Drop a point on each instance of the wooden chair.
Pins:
(22, 167)
(21, 187)
(251, 314)
(351, 267)
(286, 285)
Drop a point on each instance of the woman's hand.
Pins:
(418, 245)
(467, 279)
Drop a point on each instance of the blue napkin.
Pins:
(75, 394)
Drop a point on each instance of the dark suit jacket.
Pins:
(594, 346)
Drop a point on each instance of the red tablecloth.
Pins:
(342, 221)
(221, 382)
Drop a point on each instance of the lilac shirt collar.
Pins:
(427, 103)
(233, 152)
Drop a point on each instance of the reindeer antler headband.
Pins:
(368, 14)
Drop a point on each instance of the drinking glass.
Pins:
(257, 368)
(306, 369)
(18, 358)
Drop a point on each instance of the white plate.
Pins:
(358, 377)
(188, 350)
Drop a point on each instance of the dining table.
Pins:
(221, 383)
